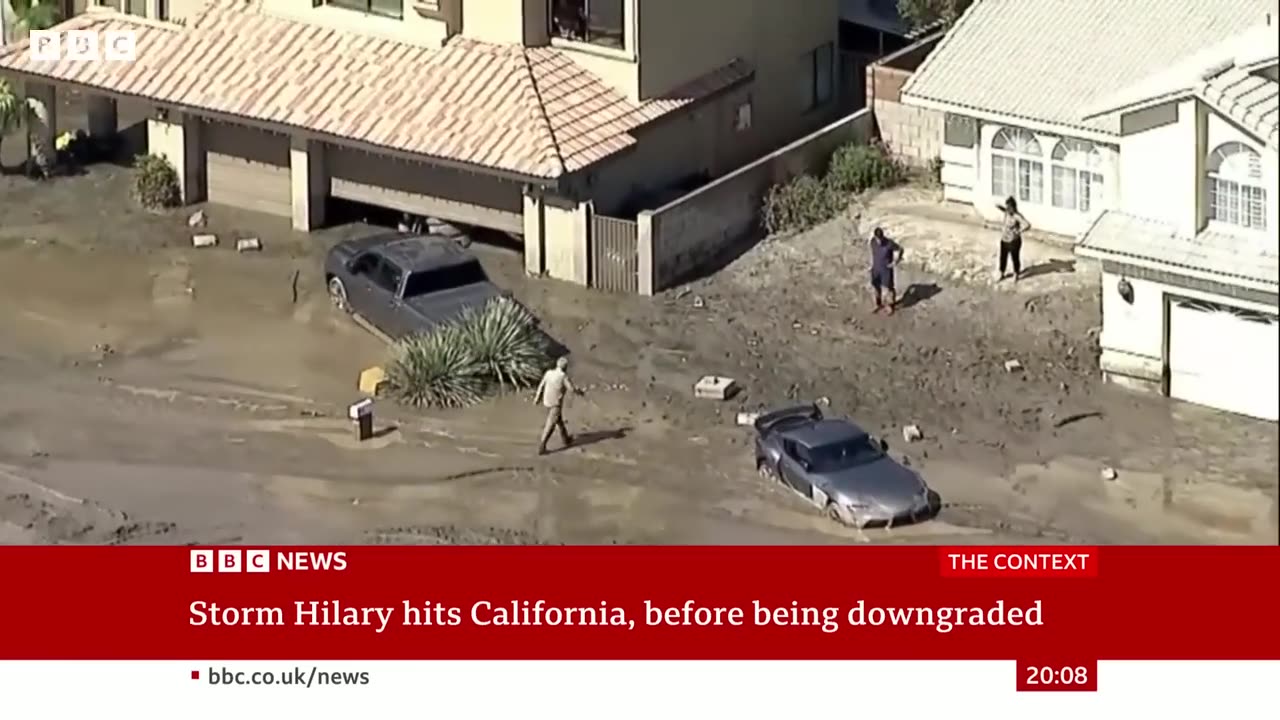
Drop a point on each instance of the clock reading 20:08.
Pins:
(1058, 677)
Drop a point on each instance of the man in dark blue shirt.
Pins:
(885, 255)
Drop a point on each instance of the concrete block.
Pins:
(371, 379)
(204, 241)
(715, 387)
(248, 245)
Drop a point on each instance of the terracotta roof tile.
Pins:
(531, 111)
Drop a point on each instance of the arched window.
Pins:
(1017, 166)
(1077, 175)
(1237, 194)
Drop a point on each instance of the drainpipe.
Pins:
(4, 23)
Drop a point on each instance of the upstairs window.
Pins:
(386, 8)
(1017, 166)
(1236, 190)
(598, 22)
(818, 76)
(1077, 176)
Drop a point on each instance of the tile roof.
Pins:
(1251, 100)
(528, 111)
(1048, 60)
(1120, 235)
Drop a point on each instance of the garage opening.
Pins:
(248, 168)
(388, 191)
(340, 211)
(1225, 357)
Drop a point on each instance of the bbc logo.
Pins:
(83, 45)
(230, 561)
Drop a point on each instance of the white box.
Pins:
(204, 241)
(201, 561)
(360, 409)
(715, 387)
(230, 561)
(257, 561)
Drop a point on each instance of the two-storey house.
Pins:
(1012, 78)
(1189, 253)
(526, 116)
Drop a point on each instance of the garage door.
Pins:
(1225, 357)
(425, 189)
(248, 168)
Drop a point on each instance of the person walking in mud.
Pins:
(1013, 225)
(551, 392)
(885, 255)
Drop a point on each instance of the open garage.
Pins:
(248, 168)
(1224, 357)
(425, 190)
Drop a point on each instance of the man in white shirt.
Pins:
(551, 393)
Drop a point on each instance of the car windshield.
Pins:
(433, 281)
(842, 455)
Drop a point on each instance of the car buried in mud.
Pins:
(840, 468)
(404, 283)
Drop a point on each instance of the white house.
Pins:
(1190, 252)
(1014, 77)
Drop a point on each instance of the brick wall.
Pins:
(913, 133)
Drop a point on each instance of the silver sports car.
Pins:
(839, 467)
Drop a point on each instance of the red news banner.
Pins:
(1055, 610)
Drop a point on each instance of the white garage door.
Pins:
(1225, 357)
(248, 168)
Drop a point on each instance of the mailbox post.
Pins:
(361, 415)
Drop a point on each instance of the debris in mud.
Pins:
(698, 302)
(747, 418)
(912, 433)
(1076, 417)
(103, 350)
(824, 401)
(715, 387)
(248, 245)
(1012, 366)
(198, 219)
(204, 241)
(1109, 474)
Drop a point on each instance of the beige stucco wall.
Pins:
(692, 230)
(178, 139)
(679, 40)
(565, 228)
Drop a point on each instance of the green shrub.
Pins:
(495, 347)
(155, 183)
(504, 340)
(435, 370)
(856, 168)
(799, 205)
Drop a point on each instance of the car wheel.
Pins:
(766, 471)
(338, 294)
(837, 514)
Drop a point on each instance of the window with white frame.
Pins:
(1017, 166)
(1077, 176)
(1237, 194)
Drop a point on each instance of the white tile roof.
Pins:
(1251, 100)
(1120, 236)
(1049, 60)
(1258, 45)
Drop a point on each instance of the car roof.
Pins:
(825, 432)
(417, 253)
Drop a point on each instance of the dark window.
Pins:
(387, 276)
(843, 455)
(959, 131)
(599, 22)
(388, 8)
(819, 83)
(434, 281)
(364, 264)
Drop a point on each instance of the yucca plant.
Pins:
(504, 340)
(436, 370)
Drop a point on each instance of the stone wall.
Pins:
(914, 134)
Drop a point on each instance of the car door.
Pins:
(792, 467)
(361, 293)
(385, 306)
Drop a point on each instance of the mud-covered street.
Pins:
(152, 392)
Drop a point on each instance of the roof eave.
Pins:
(1138, 105)
(550, 183)
(991, 116)
(1197, 273)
